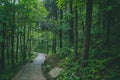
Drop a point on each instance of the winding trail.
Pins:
(32, 71)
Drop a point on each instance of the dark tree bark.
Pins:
(30, 43)
(61, 17)
(17, 34)
(54, 44)
(17, 45)
(2, 61)
(13, 32)
(8, 50)
(76, 33)
(21, 46)
(24, 42)
(109, 22)
(71, 33)
(86, 43)
(12, 45)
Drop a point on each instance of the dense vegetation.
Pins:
(19, 20)
(81, 35)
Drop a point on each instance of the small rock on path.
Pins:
(32, 71)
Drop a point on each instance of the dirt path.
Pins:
(32, 71)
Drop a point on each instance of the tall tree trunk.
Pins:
(86, 43)
(17, 45)
(76, 33)
(54, 44)
(108, 25)
(71, 33)
(13, 32)
(8, 52)
(17, 34)
(61, 17)
(21, 47)
(2, 61)
(30, 43)
(21, 41)
(24, 42)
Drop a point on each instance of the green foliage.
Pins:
(38, 24)
(9, 73)
(19, 24)
(70, 69)
(94, 70)
(98, 70)
(63, 52)
(6, 76)
(61, 4)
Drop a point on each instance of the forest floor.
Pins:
(32, 71)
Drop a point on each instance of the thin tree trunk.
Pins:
(17, 46)
(61, 17)
(108, 24)
(8, 52)
(47, 44)
(12, 38)
(71, 32)
(54, 44)
(24, 43)
(76, 33)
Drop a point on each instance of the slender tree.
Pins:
(76, 32)
(61, 33)
(71, 32)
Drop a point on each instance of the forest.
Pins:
(80, 36)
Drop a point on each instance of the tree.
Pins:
(76, 32)
(61, 24)
(86, 43)
(71, 32)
